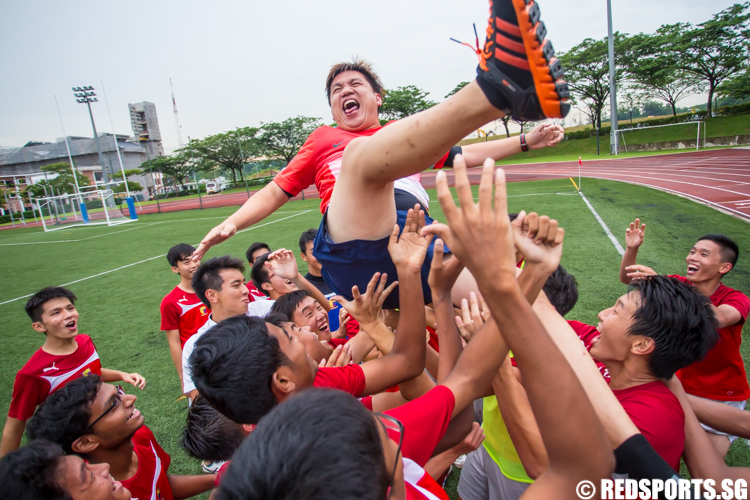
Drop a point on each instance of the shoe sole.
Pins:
(545, 68)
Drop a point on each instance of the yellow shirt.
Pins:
(498, 444)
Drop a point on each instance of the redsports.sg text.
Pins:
(671, 489)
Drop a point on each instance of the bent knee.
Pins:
(352, 162)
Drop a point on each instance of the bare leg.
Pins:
(362, 204)
(721, 443)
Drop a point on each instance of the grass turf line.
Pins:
(120, 311)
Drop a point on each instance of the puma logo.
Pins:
(337, 144)
(53, 367)
(183, 299)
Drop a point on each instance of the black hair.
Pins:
(65, 414)
(178, 253)
(254, 248)
(32, 472)
(561, 290)
(259, 273)
(301, 447)
(512, 216)
(34, 306)
(208, 434)
(678, 318)
(232, 366)
(276, 319)
(306, 238)
(288, 303)
(208, 277)
(730, 252)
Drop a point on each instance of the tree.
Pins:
(655, 71)
(229, 149)
(62, 184)
(284, 139)
(404, 101)
(132, 185)
(736, 88)
(587, 73)
(505, 119)
(176, 166)
(712, 51)
(458, 87)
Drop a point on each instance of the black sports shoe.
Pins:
(518, 70)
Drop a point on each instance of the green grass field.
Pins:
(120, 309)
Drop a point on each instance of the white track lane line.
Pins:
(598, 218)
(146, 260)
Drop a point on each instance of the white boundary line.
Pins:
(609, 234)
(147, 260)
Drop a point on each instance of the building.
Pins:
(146, 126)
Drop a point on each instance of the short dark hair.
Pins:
(259, 273)
(34, 306)
(300, 448)
(232, 366)
(561, 290)
(208, 277)
(31, 472)
(254, 248)
(307, 237)
(208, 434)
(361, 66)
(678, 318)
(730, 252)
(65, 414)
(178, 253)
(288, 303)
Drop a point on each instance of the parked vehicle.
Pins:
(213, 187)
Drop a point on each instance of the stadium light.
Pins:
(86, 96)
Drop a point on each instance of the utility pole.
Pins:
(613, 138)
(86, 95)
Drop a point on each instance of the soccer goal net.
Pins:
(92, 208)
(678, 132)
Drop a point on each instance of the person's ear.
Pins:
(266, 286)
(212, 296)
(303, 255)
(39, 327)
(643, 345)
(247, 428)
(175, 270)
(725, 268)
(84, 445)
(282, 383)
(379, 99)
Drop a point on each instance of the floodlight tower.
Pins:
(86, 95)
(176, 118)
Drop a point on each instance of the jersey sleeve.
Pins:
(739, 301)
(28, 393)
(425, 421)
(447, 159)
(348, 378)
(300, 173)
(170, 315)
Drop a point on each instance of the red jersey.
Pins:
(658, 415)
(587, 334)
(150, 480)
(319, 162)
(721, 374)
(425, 421)
(255, 294)
(349, 378)
(183, 311)
(45, 373)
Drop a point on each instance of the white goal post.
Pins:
(91, 208)
(699, 124)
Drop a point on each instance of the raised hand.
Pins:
(479, 235)
(344, 318)
(443, 275)
(473, 318)
(283, 264)
(635, 234)
(220, 233)
(409, 250)
(366, 308)
(545, 135)
(638, 271)
(341, 356)
(539, 239)
(134, 379)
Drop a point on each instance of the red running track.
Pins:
(718, 178)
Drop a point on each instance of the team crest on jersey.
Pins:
(86, 372)
(158, 494)
(203, 310)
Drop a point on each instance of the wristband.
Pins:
(524, 146)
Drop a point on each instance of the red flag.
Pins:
(580, 163)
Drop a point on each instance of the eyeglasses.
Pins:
(118, 398)
(269, 277)
(392, 427)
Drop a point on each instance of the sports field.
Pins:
(120, 275)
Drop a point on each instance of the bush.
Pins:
(91, 204)
(737, 109)
(683, 118)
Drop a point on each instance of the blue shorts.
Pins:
(354, 263)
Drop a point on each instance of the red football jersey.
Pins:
(319, 162)
(721, 374)
(255, 294)
(45, 373)
(425, 421)
(349, 378)
(658, 415)
(587, 334)
(150, 481)
(183, 311)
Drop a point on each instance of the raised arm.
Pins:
(544, 135)
(634, 236)
(256, 208)
(283, 263)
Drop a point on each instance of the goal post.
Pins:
(91, 208)
(698, 124)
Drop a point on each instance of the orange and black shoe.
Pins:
(518, 70)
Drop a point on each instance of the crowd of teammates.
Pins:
(409, 346)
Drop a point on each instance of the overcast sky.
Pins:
(239, 63)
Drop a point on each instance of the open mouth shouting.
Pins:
(134, 414)
(692, 269)
(72, 325)
(350, 107)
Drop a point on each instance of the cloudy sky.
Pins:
(239, 63)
